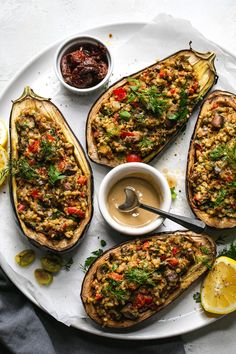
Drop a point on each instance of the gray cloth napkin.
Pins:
(25, 329)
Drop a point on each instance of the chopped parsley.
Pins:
(183, 111)
(54, 175)
(225, 152)
(229, 252)
(47, 149)
(103, 243)
(20, 168)
(152, 100)
(114, 290)
(91, 259)
(217, 153)
(145, 143)
(220, 197)
(139, 276)
(173, 193)
(197, 297)
(125, 115)
(204, 249)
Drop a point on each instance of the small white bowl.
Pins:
(72, 44)
(158, 181)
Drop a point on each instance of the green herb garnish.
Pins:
(113, 289)
(91, 259)
(173, 193)
(225, 152)
(152, 100)
(217, 153)
(204, 249)
(183, 110)
(54, 175)
(197, 297)
(125, 115)
(139, 276)
(205, 262)
(47, 149)
(103, 243)
(145, 143)
(20, 168)
(220, 198)
(229, 252)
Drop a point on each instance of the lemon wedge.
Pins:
(3, 164)
(218, 292)
(3, 133)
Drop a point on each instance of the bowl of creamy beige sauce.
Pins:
(151, 187)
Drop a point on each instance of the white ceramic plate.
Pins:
(184, 314)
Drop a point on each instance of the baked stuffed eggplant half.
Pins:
(137, 117)
(211, 170)
(134, 280)
(51, 183)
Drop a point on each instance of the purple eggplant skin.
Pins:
(26, 232)
(213, 223)
(90, 142)
(195, 271)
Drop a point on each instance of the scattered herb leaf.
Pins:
(220, 198)
(229, 252)
(197, 297)
(204, 249)
(91, 259)
(173, 193)
(54, 175)
(103, 243)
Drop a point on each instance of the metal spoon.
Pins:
(132, 202)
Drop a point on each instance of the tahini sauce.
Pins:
(147, 194)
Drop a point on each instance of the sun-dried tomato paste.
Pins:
(85, 67)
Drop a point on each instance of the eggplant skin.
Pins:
(212, 221)
(208, 80)
(31, 100)
(193, 273)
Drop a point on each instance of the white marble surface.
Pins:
(29, 26)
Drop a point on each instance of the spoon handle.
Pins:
(195, 225)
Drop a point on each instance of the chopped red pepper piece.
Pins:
(82, 180)
(116, 117)
(120, 94)
(162, 74)
(34, 147)
(163, 257)
(228, 178)
(175, 250)
(34, 193)
(146, 245)
(215, 105)
(172, 91)
(195, 85)
(96, 133)
(61, 165)
(142, 300)
(76, 211)
(98, 296)
(115, 276)
(133, 158)
(21, 207)
(50, 137)
(123, 134)
(173, 261)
